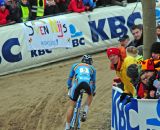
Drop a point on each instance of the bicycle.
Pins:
(76, 119)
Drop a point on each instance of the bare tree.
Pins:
(149, 26)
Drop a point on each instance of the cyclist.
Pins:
(83, 76)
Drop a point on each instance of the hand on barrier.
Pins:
(69, 87)
(128, 100)
(87, 8)
(117, 80)
(152, 94)
(123, 96)
(114, 84)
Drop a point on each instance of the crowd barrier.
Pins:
(39, 42)
(139, 114)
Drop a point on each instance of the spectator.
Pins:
(133, 51)
(62, 5)
(158, 33)
(125, 41)
(120, 66)
(90, 3)
(77, 6)
(37, 8)
(123, 2)
(24, 11)
(3, 13)
(51, 7)
(155, 54)
(112, 2)
(133, 73)
(103, 2)
(137, 32)
(145, 79)
(119, 2)
(139, 80)
(12, 6)
(151, 75)
(155, 50)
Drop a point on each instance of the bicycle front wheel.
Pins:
(77, 120)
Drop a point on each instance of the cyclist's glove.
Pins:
(69, 83)
(69, 87)
(94, 94)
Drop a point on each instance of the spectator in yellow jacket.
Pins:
(120, 65)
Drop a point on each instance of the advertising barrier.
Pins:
(139, 114)
(52, 39)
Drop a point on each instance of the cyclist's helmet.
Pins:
(87, 59)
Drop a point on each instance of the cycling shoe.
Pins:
(84, 117)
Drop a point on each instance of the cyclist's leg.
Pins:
(70, 113)
(88, 102)
(73, 98)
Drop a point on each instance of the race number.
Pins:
(84, 70)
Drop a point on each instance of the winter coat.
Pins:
(122, 74)
(76, 6)
(3, 16)
(142, 91)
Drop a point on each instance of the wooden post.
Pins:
(149, 26)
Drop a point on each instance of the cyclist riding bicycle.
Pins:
(83, 76)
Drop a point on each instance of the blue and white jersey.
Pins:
(81, 72)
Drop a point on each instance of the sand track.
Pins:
(37, 99)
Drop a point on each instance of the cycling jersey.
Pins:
(81, 73)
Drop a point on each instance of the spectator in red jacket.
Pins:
(77, 6)
(3, 13)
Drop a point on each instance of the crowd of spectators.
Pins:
(16, 11)
(137, 77)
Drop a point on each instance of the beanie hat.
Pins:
(132, 71)
(113, 50)
(155, 48)
(148, 65)
(2, 2)
(123, 37)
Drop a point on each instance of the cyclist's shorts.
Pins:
(75, 91)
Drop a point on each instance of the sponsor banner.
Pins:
(52, 39)
(47, 33)
(141, 114)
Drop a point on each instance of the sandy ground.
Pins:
(37, 99)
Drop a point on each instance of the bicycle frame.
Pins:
(75, 122)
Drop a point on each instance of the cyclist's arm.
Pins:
(71, 75)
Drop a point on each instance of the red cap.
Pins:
(113, 50)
